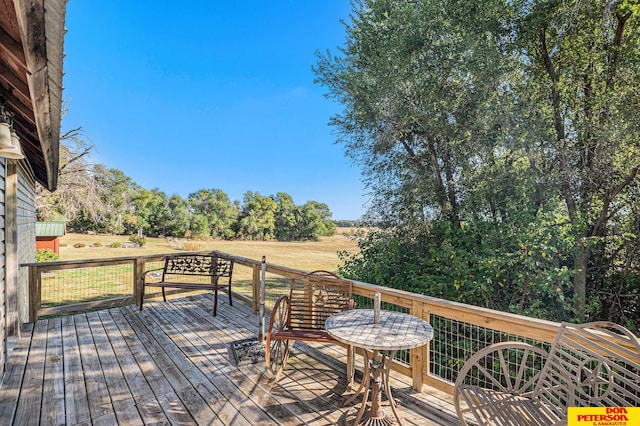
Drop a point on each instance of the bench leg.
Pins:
(215, 301)
(164, 296)
(230, 298)
(141, 296)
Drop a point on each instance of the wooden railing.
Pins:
(460, 329)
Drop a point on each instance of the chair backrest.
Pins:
(316, 296)
(589, 365)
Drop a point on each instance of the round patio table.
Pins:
(396, 331)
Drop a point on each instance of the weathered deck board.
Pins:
(75, 395)
(170, 364)
(32, 384)
(53, 392)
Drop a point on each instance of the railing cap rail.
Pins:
(485, 317)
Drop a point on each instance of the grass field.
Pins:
(307, 255)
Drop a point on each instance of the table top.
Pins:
(396, 330)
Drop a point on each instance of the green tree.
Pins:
(179, 219)
(285, 220)
(486, 128)
(215, 206)
(151, 211)
(257, 217)
(415, 85)
(315, 221)
(199, 226)
(581, 63)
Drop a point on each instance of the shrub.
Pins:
(79, 245)
(141, 241)
(116, 244)
(46, 255)
(192, 246)
(98, 244)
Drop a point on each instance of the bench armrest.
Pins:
(144, 275)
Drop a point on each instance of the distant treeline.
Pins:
(347, 223)
(93, 198)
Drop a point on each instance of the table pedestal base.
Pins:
(381, 420)
(376, 380)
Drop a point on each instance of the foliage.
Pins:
(257, 217)
(46, 255)
(179, 222)
(307, 222)
(500, 144)
(215, 211)
(519, 270)
(139, 240)
(116, 244)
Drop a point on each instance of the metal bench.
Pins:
(513, 383)
(301, 315)
(191, 272)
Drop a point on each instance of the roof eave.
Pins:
(42, 31)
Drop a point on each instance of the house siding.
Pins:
(26, 236)
(17, 245)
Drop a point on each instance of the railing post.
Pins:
(138, 270)
(255, 288)
(419, 357)
(35, 296)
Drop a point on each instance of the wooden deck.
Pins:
(170, 364)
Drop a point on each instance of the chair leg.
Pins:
(230, 298)
(164, 296)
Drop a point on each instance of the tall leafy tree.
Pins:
(151, 211)
(581, 61)
(502, 136)
(216, 207)
(285, 225)
(179, 218)
(316, 221)
(257, 217)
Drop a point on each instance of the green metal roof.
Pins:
(50, 229)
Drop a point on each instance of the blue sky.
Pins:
(212, 94)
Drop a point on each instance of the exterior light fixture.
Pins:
(9, 140)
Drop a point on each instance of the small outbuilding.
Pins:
(48, 235)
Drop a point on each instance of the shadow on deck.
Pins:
(171, 364)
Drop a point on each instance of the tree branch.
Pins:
(604, 211)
